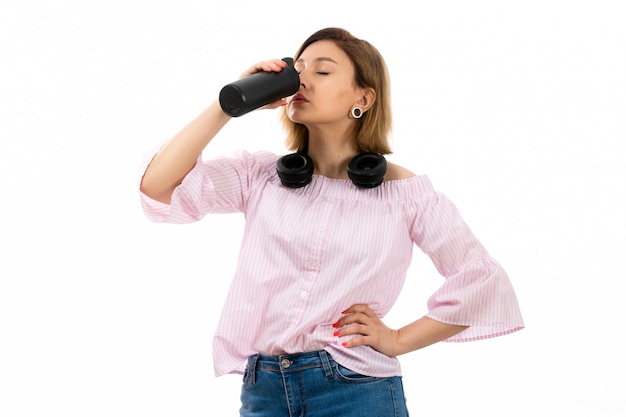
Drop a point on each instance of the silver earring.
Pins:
(356, 112)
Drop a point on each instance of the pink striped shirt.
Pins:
(309, 253)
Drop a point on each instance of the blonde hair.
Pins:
(371, 132)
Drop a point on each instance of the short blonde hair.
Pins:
(371, 133)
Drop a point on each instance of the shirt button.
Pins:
(285, 363)
(320, 229)
(314, 264)
(303, 294)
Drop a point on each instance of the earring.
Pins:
(356, 112)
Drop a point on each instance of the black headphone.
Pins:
(366, 170)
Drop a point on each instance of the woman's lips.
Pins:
(299, 98)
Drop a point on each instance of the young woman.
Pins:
(323, 260)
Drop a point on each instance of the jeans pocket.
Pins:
(351, 376)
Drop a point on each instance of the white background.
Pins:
(515, 110)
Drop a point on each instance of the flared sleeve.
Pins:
(220, 185)
(477, 291)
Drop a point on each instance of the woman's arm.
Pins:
(360, 320)
(178, 156)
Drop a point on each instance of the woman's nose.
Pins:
(303, 77)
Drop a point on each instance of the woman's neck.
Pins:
(331, 147)
(331, 152)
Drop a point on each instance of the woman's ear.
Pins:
(367, 99)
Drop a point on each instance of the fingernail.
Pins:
(344, 311)
(336, 333)
(344, 344)
(336, 324)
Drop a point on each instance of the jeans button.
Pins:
(285, 363)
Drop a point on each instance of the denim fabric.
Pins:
(312, 384)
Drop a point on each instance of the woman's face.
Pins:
(327, 89)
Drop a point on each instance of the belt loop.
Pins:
(328, 370)
(250, 376)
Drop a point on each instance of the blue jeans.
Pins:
(312, 384)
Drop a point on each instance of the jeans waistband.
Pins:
(289, 363)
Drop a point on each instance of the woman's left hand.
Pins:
(360, 320)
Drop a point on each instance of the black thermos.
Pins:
(259, 89)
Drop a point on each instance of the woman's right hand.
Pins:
(272, 65)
